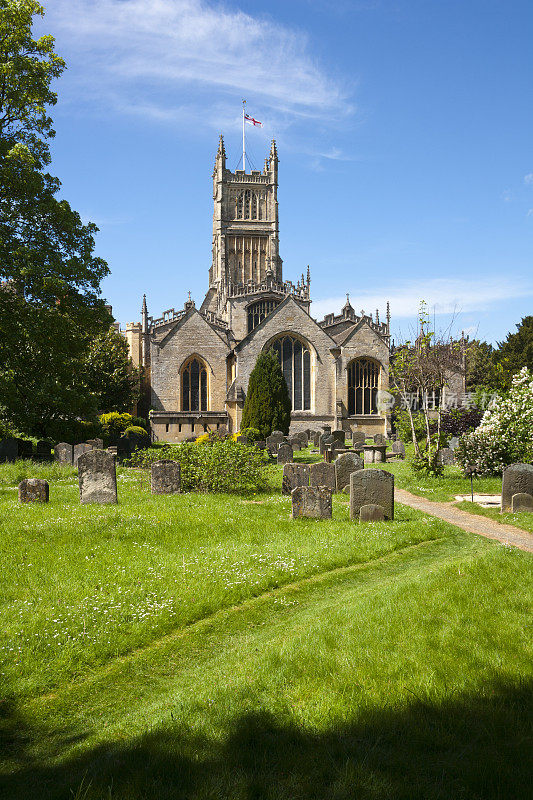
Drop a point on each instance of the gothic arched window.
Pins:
(194, 385)
(363, 378)
(295, 359)
(258, 311)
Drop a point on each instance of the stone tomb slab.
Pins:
(517, 479)
(375, 486)
(344, 466)
(322, 474)
(64, 453)
(165, 477)
(33, 490)
(522, 502)
(445, 456)
(97, 444)
(294, 475)
(97, 477)
(313, 502)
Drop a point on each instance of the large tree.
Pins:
(267, 406)
(516, 351)
(481, 366)
(50, 307)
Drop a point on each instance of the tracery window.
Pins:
(363, 378)
(295, 359)
(249, 205)
(258, 311)
(194, 386)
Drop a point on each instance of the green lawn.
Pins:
(210, 647)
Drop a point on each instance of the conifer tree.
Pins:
(267, 406)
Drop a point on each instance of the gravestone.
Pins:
(521, 502)
(398, 448)
(371, 513)
(97, 477)
(43, 451)
(284, 453)
(33, 490)
(358, 439)
(64, 453)
(322, 474)
(517, 479)
(316, 438)
(295, 443)
(304, 439)
(339, 436)
(344, 466)
(311, 501)
(165, 477)
(124, 447)
(379, 438)
(375, 453)
(326, 428)
(25, 448)
(294, 475)
(96, 444)
(9, 450)
(325, 440)
(453, 443)
(78, 450)
(445, 456)
(279, 434)
(374, 486)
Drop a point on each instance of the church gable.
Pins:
(363, 340)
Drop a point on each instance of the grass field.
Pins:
(209, 647)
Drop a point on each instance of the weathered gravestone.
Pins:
(25, 448)
(322, 474)
(326, 428)
(78, 450)
(344, 466)
(274, 440)
(445, 456)
(96, 444)
(371, 513)
(9, 450)
(522, 502)
(339, 436)
(97, 477)
(165, 477)
(284, 453)
(311, 501)
(358, 439)
(124, 447)
(374, 486)
(375, 453)
(43, 451)
(398, 448)
(64, 453)
(294, 475)
(33, 490)
(295, 443)
(379, 438)
(517, 479)
(304, 439)
(325, 440)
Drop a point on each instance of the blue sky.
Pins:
(404, 131)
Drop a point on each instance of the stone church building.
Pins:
(197, 361)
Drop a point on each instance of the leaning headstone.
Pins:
(322, 474)
(294, 475)
(96, 444)
(371, 513)
(445, 456)
(165, 477)
(79, 449)
(311, 501)
(374, 486)
(522, 502)
(33, 490)
(97, 477)
(517, 479)
(284, 453)
(43, 451)
(64, 453)
(398, 448)
(9, 450)
(344, 466)
(339, 436)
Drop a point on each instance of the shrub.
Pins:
(458, 421)
(139, 422)
(224, 466)
(73, 430)
(403, 424)
(253, 434)
(114, 425)
(267, 406)
(137, 436)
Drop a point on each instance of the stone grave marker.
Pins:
(358, 439)
(375, 453)
(398, 448)
(165, 477)
(304, 439)
(522, 502)
(445, 456)
(43, 451)
(25, 448)
(311, 501)
(325, 440)
(322, 474)
(284, 453)
(326, 428)
(295, 443)
(96, 444)
(517, 479)
(97, 477)
(374, 486)
(124, 447)
(64, 453)
(9, 450)
(339, 436)
(379, 438)
(294, 475)
(371, 513)
(33, 490)
(344, 466)
(78, 450)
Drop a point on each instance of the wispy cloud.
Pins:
(166, 58)
(528, 179)
(442, 295)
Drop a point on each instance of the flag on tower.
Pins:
(253, 121)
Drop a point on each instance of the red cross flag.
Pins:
(253, 121)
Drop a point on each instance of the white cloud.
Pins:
(447, 295)
(141, 54)
(528, 179)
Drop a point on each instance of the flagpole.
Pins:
(243, 139)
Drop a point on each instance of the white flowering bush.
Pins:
(505, 434)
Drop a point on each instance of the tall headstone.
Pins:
(97, 477)
(311, 501)
(79, 449)
(284, 453)
(294, 475)
(43, 450)
(165, 477)
(322, 474)
(358, 439)
(33, 490)
(303, 437)
(64, 453)
(445, 456)
(344, 466)
(398, 448)
(374, 486)
(9, 450)
(379, 438)
(325, 439)
(522, 502)
(517, 479)
(295, 443)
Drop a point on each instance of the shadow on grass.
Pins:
(476, 747)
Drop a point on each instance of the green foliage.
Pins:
(138, 436)
(402, 423)
(217, 466)
(253, 434)
(109, 373)
(425, 461)
(267, 406)
(11, 474)
(73, 430)
(516, 352)
(481, 367)
(114, 424)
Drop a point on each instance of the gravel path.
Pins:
(483, 526)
